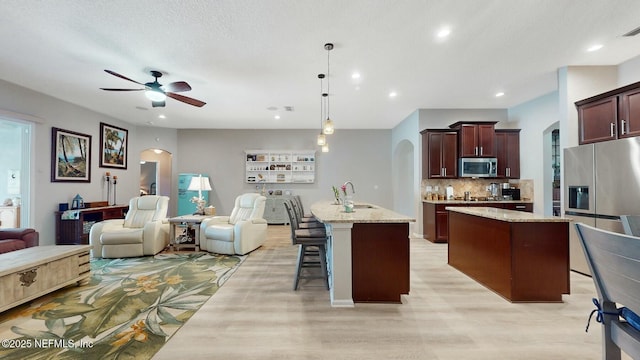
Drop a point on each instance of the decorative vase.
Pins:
(348, 204)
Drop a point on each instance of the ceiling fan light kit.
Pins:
(157, 92)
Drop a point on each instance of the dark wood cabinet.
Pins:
(597, 120)
(435, 217)
(439, 154)
(380, 262)
(476, 139)
(508, 153)
(629, 113)
(74, 230)
(609, 116)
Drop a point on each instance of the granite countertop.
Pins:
(328, 212)
(445, 202)
(506, 215)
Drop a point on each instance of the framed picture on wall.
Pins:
(70, 156)
(113, 146)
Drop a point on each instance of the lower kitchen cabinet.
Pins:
(435, 217)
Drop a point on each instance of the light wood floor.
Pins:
(257, 315)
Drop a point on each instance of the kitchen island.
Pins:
(368, 253)
(521, 256)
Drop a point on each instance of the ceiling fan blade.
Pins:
(108, 89)
(185, 99)
(177, 86)
(121, 76)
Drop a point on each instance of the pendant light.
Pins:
(328, 124)
(322, 139)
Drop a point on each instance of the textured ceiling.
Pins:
(243, 57)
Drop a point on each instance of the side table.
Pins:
(188, 224)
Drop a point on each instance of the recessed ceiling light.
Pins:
(443, 32)
(277, 117)
(355, 75)
(594, 47)
(393, 94)
(161, 116)
(499, 94)
(157, 151)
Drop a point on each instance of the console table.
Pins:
(72, 226)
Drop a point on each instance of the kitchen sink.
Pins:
(363, 206)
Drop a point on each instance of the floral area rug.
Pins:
(128, 310)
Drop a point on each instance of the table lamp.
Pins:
(200, 183)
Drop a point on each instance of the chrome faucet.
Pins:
(353, 191)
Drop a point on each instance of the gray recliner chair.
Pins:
(144, 230)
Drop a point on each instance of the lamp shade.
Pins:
(200, 183)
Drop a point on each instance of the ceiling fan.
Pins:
(157, 92)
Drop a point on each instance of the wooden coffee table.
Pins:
(36, 271)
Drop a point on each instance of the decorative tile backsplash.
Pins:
(477, 187)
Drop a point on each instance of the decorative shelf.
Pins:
(280, 166)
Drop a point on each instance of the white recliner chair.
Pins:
(144, 231)
(243, 231)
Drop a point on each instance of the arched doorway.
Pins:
(155, 173)
(404, 198)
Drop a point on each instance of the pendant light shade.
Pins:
(325, 148)
(322, 140)
(328, 128)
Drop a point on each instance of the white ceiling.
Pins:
(245, 56)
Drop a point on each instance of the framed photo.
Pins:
(70, 156)
(113, 146)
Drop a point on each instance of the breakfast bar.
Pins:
(523, 257)
(368, 253)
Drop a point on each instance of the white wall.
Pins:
(361, 156)
(442, 118)
(534, 118)
(406, 150)
(49, 112)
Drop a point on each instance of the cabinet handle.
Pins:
(623, 127)
(521, 207)
(507, 171)
(445, 172)
(481, 150)
(475, 150)
(611, 129)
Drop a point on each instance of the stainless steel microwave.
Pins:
(478, 167)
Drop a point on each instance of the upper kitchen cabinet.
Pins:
(439, 154)
(611, 115)
(508, 153)
(476, 139)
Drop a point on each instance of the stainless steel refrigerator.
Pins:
(601, 182)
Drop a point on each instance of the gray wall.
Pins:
(361, 156)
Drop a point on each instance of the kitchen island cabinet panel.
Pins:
(435, 217)
(521, 258)
(380, 262)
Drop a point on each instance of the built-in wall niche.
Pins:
(280, 166)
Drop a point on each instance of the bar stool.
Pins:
(312, 252)
(304, 222)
